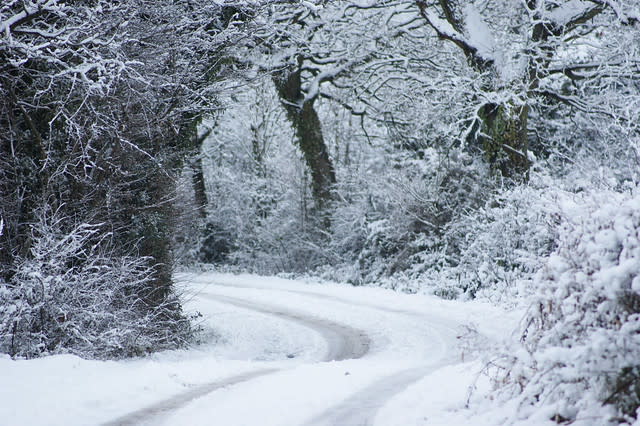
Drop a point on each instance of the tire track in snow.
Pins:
(361, 408)
(151, 414)
(344, 342)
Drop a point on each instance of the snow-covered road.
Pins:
(278, 352)
(343, 342)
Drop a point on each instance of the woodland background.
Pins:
(469, 149)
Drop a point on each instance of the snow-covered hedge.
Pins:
(498, 246)
(398, 228)
(456, 233)
(73, 294)
(579, 356)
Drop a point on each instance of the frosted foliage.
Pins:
(498, 247)
(72, 295)
(259, 187)
(581, 339)
(397, 226)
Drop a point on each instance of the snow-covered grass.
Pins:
(68, 390)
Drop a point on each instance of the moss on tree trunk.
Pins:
(503, 137)
(308, 129)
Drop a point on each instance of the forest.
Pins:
(469, 149)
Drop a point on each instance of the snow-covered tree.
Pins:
(100, 100)
(526, 58)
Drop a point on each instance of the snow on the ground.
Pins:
(418, 404)
(406, 331)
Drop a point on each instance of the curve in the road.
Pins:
(343, 342)
(361, 408)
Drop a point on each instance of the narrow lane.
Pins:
(361, 408)
(343, 342)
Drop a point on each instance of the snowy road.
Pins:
(277, 352)
(389, 358)
(343, 342)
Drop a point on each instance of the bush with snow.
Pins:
(395, 226)
(74, 294)
(493, 251)
(579, 356)
(446, 228)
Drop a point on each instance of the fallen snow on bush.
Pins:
(578, 358)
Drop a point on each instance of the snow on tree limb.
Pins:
(445, 28)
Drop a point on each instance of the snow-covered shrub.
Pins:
(495, 250)
(258, 230)
(400, 226)
(363, 235)
(288, 240)
(73, 294)
(580, 350)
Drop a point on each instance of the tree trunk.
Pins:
(199, 190)
(306, 124)
(189, 140)
(503, 137)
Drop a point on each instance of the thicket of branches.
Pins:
(100, 101)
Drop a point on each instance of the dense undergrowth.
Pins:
(72, 294)
(565, 246)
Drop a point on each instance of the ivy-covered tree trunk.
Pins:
(306, 123)
(501, 131)
(504, 141)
